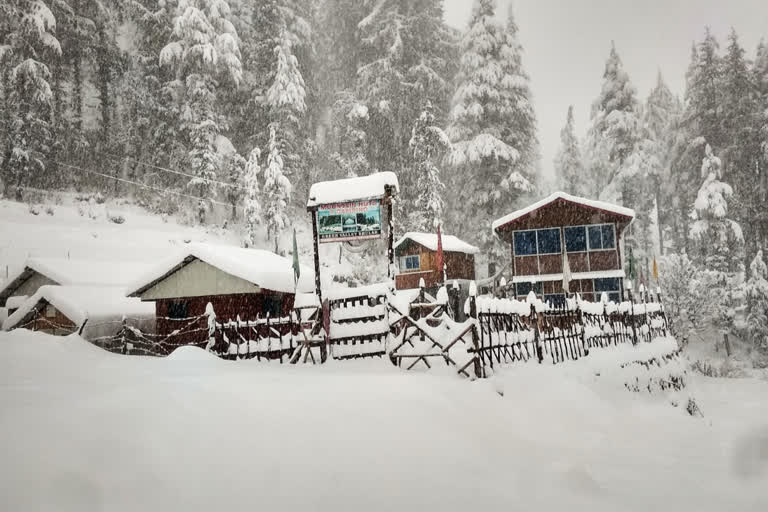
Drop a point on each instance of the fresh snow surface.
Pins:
(97, 304)
(538, 278)
(429, 240)
(371, 290)
(82, 429)
(568, 197)
(83, 271)
(262, 268)
(351, 189)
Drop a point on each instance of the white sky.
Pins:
(566, 44)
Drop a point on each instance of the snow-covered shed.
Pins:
(588, 232)
(39, 272)
(239, 283)
(417, 259)
(93, 311)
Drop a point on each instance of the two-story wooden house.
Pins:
(417, 259)
(588, 232)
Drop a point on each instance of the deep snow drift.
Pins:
(82, 429)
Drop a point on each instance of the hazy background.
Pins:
(567, 42)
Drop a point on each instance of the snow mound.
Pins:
(192, 354)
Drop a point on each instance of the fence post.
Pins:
(536, 335)
(632, 316)
(727, 344)
(122, 337)
(477, 341)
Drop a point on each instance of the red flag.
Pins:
(440, 269)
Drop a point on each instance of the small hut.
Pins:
(240, 284)
(417, 259)
(39, 272)
(94, 312)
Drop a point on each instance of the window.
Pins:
(549, 241)
(601, 237)
(611, 286)
(273, 305)
(178, 309)
(410, 262)
(50, 311)
(523, 289)
(525, 243)
(576, 239)
(556, 300)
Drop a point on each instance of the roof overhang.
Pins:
(14, 283)
(602, 274)
(509, 222)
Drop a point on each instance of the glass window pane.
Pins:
(412, 262)
(576, 239)
(614, 297)
(555, 300)
(607, 285)
(595, 240)
(523, 289)
(608, 238)
(549, 241)
(525, 243)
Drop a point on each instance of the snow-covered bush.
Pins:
(757, 303)
(34, 209)
(116, 218)
(49, 210)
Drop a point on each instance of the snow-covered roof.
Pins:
(264, 269)
(371, 290)
(16, 301)
(81, 303)
(601, 274)
(352, 189)
(429, 240)
(600, 205)
(75, 272)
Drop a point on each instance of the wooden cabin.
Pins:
(39, 272)
(588, 232)
(416, 255)
(248, 284)
(95, 312)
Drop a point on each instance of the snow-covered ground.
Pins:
(79, 230)
(82, 429)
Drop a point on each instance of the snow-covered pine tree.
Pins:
(252, 203)
(27, 45)
(662, 109)
(276, 192)
(568, 165)
(404, 61)
(614, 129)
(483, 162)
(757, 303)
(428, 143)
(719, 240)
(520, 129)
(760, 70)
(741, 114)
(204, 53)
(286, 101)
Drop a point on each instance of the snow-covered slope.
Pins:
(82, 429)
(83, 231)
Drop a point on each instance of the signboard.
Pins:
(359, 220)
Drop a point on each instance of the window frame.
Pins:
(536, 241)
(615, 241)
(618, 292)
(173, 309)
(586, 239)
(559, 238)
(404, 263)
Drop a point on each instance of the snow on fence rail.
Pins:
(359, 322)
